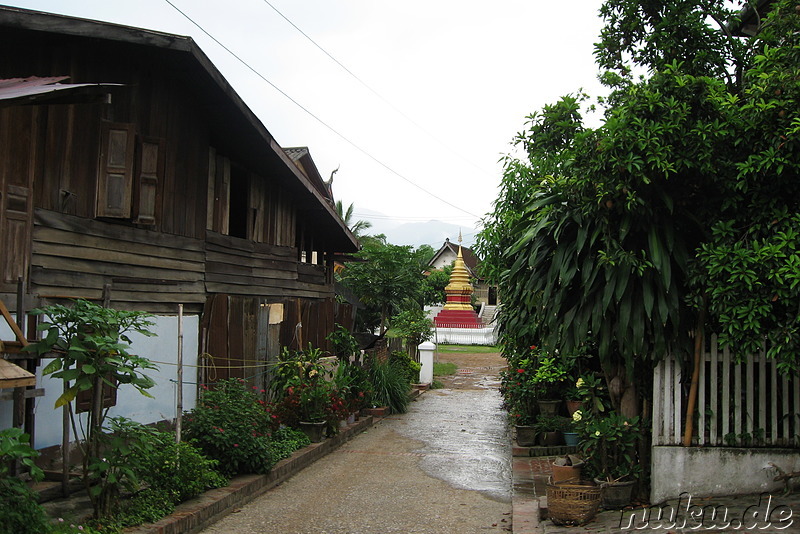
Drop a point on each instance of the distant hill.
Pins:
(431, 233)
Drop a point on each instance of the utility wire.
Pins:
(374, 92)
(312, 115)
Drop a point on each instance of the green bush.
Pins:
(147, 506)
(179, 469)
(285, 441)
(390, 386)
(231, 425)
(19, 511)
(406, 365)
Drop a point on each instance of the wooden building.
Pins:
(132, 173)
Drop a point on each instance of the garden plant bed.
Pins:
(198, 513)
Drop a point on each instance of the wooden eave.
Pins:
(236, 129)
(14, 376)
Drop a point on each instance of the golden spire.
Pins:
(459, 289)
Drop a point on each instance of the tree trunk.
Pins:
(624, 397)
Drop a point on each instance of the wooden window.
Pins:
(149, 174)
(83, 400)
(116, 170)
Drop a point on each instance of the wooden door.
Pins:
(18, 133)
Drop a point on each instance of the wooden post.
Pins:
(179, 418)
(65, 445)
(699, 346)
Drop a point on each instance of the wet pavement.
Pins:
(442, 467)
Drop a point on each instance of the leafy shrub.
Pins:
(343, 343)
(19, 512)
(406, 365)
(231, 425)
(147, 506)
(14, 446)
(178, 469)
(390, 386)
(285, 441)
(65, 527)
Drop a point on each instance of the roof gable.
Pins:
(230, 117)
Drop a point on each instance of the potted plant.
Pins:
(548, 383)
(571, 432)
(573, 397)
(550, 429)
(519, 396)
(609, 446)
(567, 468)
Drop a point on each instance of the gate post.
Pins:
(426, 361)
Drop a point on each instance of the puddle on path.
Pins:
(465, 436)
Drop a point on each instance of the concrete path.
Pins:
(443, 467)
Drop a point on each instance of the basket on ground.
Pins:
(572, 503)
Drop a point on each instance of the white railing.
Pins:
(465, 335)
(744, 404)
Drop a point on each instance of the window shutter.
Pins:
(150, 173)
(116, 170)
(83, 400)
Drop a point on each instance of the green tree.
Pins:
(685, 198)
(387, 280)
(433, 286)
(90, 345)
(357, 227)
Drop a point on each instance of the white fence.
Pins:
(465, 336)
(745, 404)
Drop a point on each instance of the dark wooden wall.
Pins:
(51, 167)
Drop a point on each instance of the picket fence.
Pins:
(747, 404)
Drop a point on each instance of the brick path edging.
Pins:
(200, 512)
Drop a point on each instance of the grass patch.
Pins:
(467, 348)
(436, 385)
(444, 368)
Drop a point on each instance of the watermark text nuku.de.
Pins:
(687, 515)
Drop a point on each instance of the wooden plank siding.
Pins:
(239, 266)
(146, 270)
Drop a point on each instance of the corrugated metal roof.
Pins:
(34, 88)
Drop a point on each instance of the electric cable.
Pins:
(315, 117)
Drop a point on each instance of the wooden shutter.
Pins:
(150, 173)
(114, 188)
(83, 400)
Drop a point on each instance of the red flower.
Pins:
(533, 347)
(235, 444)
(520, 370)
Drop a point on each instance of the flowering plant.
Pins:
(531, 376)
(231, 424)
(592, 393)
(609, 445)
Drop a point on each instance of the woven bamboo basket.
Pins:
(572, 503)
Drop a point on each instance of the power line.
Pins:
(374, 92)
(312, 115)
(405, 218)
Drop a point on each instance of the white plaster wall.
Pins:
(162, 348)
(709, 471)
(6, 407)
(444, 260)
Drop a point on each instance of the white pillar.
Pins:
(426, 360)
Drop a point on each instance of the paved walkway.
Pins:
(441, 468)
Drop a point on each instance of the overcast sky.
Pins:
(449, 84)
